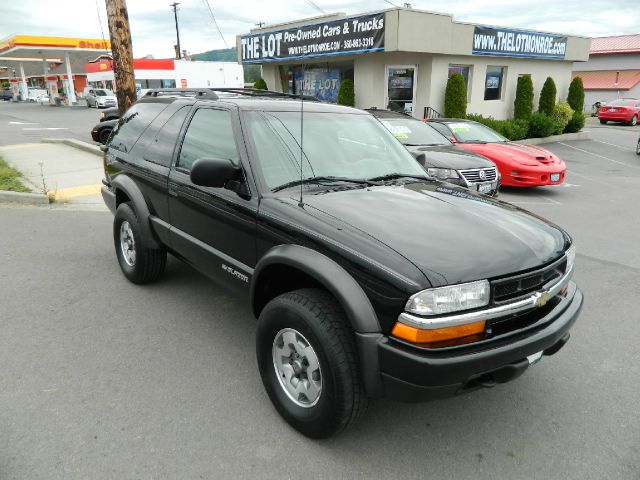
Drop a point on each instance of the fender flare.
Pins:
(332, 276)
(129, 187)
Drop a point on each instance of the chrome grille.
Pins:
(474, 175)
(512, 288)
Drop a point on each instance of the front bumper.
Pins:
(533, 177)
(408, 373)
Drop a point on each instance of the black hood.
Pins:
(450, 157)
(451, 235)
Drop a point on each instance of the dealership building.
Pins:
(401, 59)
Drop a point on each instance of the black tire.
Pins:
(638, 147)
(148, 264)
(603, 122)
(634, 121)
(317, 316)
(103, 136)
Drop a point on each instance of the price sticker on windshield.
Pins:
(459, 127)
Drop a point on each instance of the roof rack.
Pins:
(210, 93)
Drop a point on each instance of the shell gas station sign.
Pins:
(54, 43)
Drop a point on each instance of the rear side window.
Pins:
(209, 134)
(443, 129)
(161, 149)
(133, 124)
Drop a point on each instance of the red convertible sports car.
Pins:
(625, 110)
(519, 165)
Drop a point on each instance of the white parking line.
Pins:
(23, 123)
(599, 156)
(46, 128)
(626, 149)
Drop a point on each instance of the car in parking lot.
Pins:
(442, 159)
(101, 132)
(368, 277)
(638, 147)
(112, 113)
(625, 110)
(100, 98)
(6, 94)
(519, 165)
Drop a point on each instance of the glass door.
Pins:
(401, 88)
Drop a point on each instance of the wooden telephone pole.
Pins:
(122, 53)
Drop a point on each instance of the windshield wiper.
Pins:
(321, 179)
(393, 176)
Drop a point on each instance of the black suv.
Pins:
(442, 159)
(368, 277)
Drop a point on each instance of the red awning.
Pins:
(609, 79)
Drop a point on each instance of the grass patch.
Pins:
(10, 178)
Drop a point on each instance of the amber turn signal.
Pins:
(416, 335)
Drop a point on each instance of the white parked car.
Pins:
(36, 94)
(101, 98)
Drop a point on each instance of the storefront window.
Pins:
(493, 83)
(462, 70)
(400, 87)
(322, 81)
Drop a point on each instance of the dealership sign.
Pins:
(338, 37)
(517, 43)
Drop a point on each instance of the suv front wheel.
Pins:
(308, 362)
(138, 263)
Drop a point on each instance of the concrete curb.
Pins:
(87, 147)
(565, 137)
(23, 198)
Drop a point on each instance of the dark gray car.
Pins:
(442, 159)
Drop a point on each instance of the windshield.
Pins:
(471, 132)
(414, 132)
(335, 145)
(103, 93)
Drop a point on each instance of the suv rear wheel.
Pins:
(308, 362)
(138, 263)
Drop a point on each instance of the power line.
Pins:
(391, 3)
(311, 4)
(104, 42)
(213, 17)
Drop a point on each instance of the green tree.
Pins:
(547, 101)
(455, 97)
(260, 84)
(575, 98)
(523, 104)
(346, 94)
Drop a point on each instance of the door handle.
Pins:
(173, 189)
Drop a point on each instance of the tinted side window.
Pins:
(209, 135)
(133, 123)
(161, 149)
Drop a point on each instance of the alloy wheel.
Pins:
(127, 244)
(297, 367)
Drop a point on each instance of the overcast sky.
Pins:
(153, 30)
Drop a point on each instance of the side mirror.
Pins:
(452, 139)
(213, 172)
(421, 158)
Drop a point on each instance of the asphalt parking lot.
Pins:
(104, 379)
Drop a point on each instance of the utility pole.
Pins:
(175, 15)
(122, 53)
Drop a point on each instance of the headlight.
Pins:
(443, 173)
(436, 301)
(571, 257)
(101, 116)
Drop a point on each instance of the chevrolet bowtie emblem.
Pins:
(542, 300)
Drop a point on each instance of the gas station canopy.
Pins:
(18, 50)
